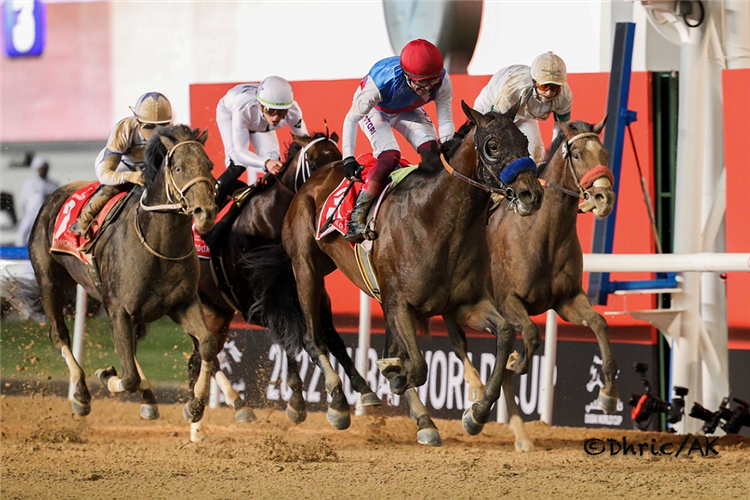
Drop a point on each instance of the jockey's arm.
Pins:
(563, 104)
(488, 95)
(365, 98)
(242, 155)
(106, 170)
(443, 99)
(295, 121)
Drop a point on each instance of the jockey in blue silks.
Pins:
(391, 96)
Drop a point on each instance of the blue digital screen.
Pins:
(24, 27)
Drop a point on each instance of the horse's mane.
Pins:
(431, 158)
(156, 150)
(295, 148)
(579, 126)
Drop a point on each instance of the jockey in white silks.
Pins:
(389, 97)
(540, 88)
(250, 114)
(119, 163)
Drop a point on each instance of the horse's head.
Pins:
(503, 159)
(306, 155)
(178, 168)
(585, 160)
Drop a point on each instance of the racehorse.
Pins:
(266, 295)
(145, 265)
(430, 256)
(537, 263)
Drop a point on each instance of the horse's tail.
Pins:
(22, 293)
(268, 270)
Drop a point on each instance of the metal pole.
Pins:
(78, 331)
(550, 360)
(665, 263)
(364, 344)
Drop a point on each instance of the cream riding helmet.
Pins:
(275, 93)
(549, 68)
(153, 108)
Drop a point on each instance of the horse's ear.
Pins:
(475, 116)
(513, 111)
(334, 137)
(301, 140)
(167, 141)
(203, 137)
(599, 126)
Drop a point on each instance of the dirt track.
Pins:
(49, 453)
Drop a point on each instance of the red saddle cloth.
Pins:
(344, 211)
(65, 241)
(202, 248)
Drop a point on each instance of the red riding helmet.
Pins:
(421, 60)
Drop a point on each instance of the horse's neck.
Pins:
(156, 223)
(559, 210)
(289, 177)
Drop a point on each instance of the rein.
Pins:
(458, 175)
(582, 192)
(181, 207)
(303, 168)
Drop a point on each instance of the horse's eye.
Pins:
(575, 156)
(178, 169)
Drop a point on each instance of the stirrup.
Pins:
(354, 236)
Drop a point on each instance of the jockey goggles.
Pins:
(275, 112)
(544, 87)
(422, 84)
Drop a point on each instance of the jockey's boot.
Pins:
(355, 230)
(226, 184)
(82, 226)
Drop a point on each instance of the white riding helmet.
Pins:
(275, 93)
(549, 68)
(153, 107)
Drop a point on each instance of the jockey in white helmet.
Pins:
(540, 88)
(120, 161)
(250, 114)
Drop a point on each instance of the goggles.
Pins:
(422, 84)
(544, 87)
(275, 112)
(151, 126)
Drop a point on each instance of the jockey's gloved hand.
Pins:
(352, 169)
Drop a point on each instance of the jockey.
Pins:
(120, 161)
(248, 114)
(389, 97)
(540, 88)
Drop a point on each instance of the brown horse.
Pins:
(262, 288)
(543, 269)
(146, 263)
(430, 255)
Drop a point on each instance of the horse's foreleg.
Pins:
(190, 317)
(580, 312)
(485, 317)
(523, 441)
(515, 312)
(296, 408)
(428, 432)
(338, 349)
(124, 334)
(457, 338)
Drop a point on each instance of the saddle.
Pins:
(64, 241)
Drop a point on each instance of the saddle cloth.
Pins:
(343, 212)
(64, 241)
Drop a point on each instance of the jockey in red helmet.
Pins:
(391, 96)
(540, 88)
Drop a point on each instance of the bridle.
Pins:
(303, 167)
(582, 183)
(170, 187)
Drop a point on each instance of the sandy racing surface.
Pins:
(47, 452)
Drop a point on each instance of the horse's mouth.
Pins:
(204, 218)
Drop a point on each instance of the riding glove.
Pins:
(352, 169)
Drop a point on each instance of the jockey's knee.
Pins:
(427, 146)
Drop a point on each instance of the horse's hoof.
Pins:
(191, 417)
(196, 433)
(103, 374)
(471, 426)
(339, 419)
(429, 436)
(295, 416)
(244, 414)
(81, 409)
(607, 403)
(476, 394)
(399, 384)
(371, 399)
(525, 445)
(149, 412)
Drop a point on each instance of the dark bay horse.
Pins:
(146, 261)
(431, 256)
(537, 262)
(266, 295)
